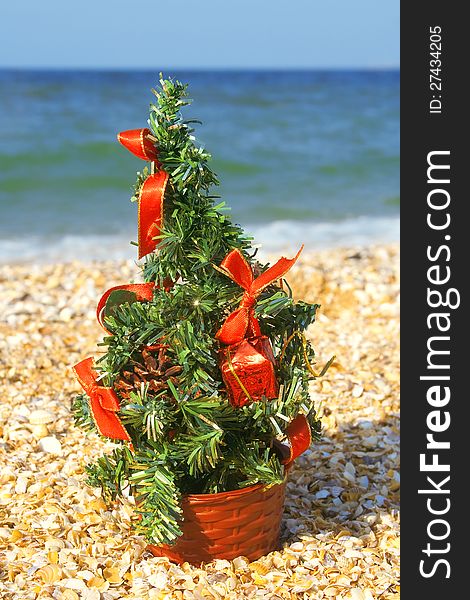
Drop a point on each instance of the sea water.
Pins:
(302, 156)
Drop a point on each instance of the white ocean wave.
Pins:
(274, 237)
(358, 231)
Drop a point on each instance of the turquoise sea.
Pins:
(308, 156)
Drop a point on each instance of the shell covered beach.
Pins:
(58, 539)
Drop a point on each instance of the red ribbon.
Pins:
(243, 321)
(137, 142)
(152, 192)
(143, 292)
(150, 216)
(104, 402)
(300, 437)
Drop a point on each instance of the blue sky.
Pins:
(200, 33)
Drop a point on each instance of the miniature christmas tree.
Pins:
(204, 380)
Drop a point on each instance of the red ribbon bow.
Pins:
(143, 292)
(243, 320)
(152, 191)
(104, 402)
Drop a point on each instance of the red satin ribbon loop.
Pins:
(143, 292)
(104, 402)
(137, 142)
(242, 321)
(299, 435)
(150, 216)
(152, 191)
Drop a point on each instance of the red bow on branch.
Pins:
(243, 321)
(143, 293)
(152, 192)
(104, 402)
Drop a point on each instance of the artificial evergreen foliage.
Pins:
(186, 437)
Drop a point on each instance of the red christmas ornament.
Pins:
(248, 370)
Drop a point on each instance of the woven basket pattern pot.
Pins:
(244, 522)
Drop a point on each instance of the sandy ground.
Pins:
(340, 531)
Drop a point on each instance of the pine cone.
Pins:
(153, 370)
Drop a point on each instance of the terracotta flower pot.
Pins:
(243, 522)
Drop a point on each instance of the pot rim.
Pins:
(222, 495)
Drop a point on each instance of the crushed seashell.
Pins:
(340, 532)
(112, 575)
(39, 431)
(40, 417)
(99, 583)
(50, 573)
(69, 594)
(50, 444)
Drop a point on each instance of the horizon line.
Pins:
(198, 69)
